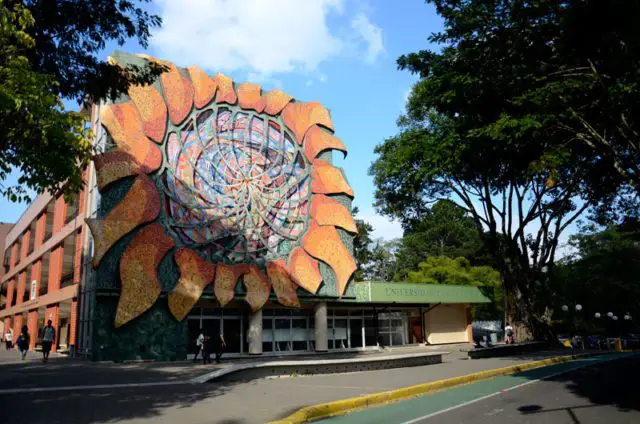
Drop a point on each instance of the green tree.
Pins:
(362, 243)
(48, 52)
(382, 261)
(552, 75)
(443, 230)
(602, 275)
(458, 271)
(474, 134)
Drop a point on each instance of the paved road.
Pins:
(227, 403)
(594, 390)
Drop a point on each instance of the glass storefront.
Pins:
(286, 331)
(354, 329)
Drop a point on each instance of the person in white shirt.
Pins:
(199, 343)
(8, 339)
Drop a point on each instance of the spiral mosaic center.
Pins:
(237, 185)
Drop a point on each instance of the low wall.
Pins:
(252, 371)
(506, 350)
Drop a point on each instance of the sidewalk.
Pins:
(256, 401)
(64, 371)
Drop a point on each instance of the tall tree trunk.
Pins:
(525, 308)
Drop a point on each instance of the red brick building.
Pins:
(42, 259)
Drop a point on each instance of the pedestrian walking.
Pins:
(48, 336)
(220, 345)
(199, 345)
(23, 342)
(207, 348)
(508, 331)
(8, 339)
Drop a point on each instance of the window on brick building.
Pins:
(48, 230)
(32, 236)
(72, 208)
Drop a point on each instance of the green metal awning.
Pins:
(416, 293)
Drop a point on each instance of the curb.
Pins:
(329, 409)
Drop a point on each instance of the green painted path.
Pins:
(405, 412)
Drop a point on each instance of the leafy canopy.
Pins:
(48, 52)
(491, 126)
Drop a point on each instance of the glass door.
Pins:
(355, 332)
(232, 332)
(193, 331)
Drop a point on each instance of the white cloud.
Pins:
(382, 226)
(259, 36)
(370, 34)
(309, 83)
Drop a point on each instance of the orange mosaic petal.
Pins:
(140, 286)
(283, 287)
(195, 275)
(324, 243)
(205, 87)
(226, 93)
(125, 127)
(327, 179)
(178, 93)
(275, 101)
(299, 117)
(327, 211)
(257, 285)
(227, 277)
(140, 205)
(152, 109)
(304, 270)
(117, 164)
(318, 140)
(250, 97)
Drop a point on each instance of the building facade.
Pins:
(212, 206)
(42, 263)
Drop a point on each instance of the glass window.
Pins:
(386, 339)
(193, 330)
(370, 332)
(355, 332)
(397, 339)
(339, 334)
(267, 335)
(299, 334)
(282, 334)
(232, 335)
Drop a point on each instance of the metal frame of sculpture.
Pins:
(228, 179)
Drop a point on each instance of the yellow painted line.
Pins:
(340, 407)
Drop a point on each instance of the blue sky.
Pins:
(339, 52)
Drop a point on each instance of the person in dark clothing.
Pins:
(207, 348)
(220, 344)
(23, 342)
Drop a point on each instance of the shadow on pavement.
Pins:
(109, 404)
(611, 383)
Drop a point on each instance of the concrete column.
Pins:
(255, 333)
(322, 344)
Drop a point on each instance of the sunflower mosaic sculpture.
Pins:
(228, 179)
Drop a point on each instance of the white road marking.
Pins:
(461, 405)
(86, 388)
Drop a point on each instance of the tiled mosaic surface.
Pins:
(243, 194)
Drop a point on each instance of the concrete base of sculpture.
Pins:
(263, 369)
